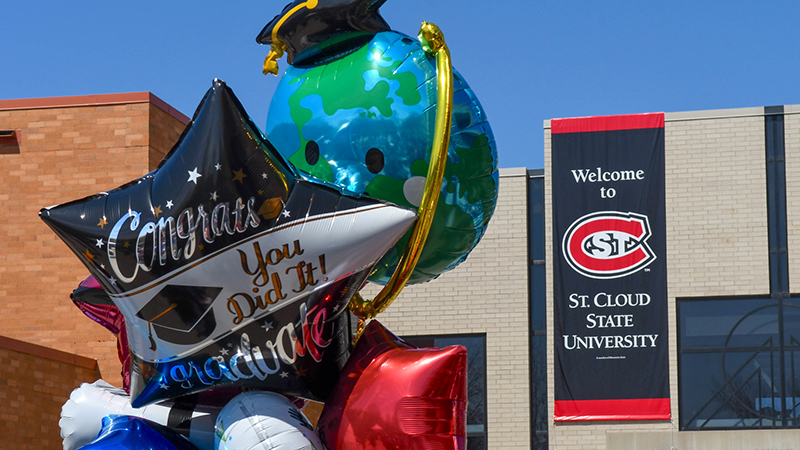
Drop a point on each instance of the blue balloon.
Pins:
(133, 433)
(364, 121)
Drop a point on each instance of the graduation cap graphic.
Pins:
(181, 314)
(322, 28)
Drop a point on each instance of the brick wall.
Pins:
(488, 293)
(35, 382)
(163, 134)
(716, 238)
(716, 205)
(68, 148)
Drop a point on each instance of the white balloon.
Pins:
(264, 421)
(82, 415)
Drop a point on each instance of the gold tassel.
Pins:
(275, 53)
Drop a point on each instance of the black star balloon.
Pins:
(319, 28)
(229, 268)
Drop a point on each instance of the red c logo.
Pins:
(608, 244)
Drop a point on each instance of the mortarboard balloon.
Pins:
(229, 268)
(357, 107)
(392, 395)
(322, 28)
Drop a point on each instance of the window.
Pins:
(738, 360)
(538, 303)
(739, 363)
(476, 380)
(9, 142)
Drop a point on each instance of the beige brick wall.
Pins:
(65, 153)
(488, 293)
(716, 237)
(716, 206)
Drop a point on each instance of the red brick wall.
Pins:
(34, 383)
(163, 135)
(66, 153)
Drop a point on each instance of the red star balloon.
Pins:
(394, 396)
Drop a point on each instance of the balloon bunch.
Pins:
(229, 274)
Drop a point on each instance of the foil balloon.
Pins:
(264, 421)
(133, 433)
(391, 395)
(95, 303)
(229, 268)
(192, 416)
(357, 108)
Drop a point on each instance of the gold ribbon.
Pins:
(278, 47)
(433, 42)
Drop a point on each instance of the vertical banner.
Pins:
(610, 268)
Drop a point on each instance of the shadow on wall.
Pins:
(35, 381)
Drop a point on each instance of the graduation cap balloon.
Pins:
(325, 28)
(229, 268)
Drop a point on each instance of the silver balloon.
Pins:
(264, 421)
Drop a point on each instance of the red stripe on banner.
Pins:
(607, 123)
(628, 409)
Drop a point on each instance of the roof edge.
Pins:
(513, 172)
(47, 352)
(707, 114)
(92, 100)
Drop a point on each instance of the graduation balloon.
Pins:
(229, 268)
(357, 108)
(94, 302)
(263, 421)
(392, 395)
(133, 433)
(191, 416)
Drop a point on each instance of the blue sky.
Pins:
(527, 61)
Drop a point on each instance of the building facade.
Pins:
(55, 150)
(732, 196)
(732, 236)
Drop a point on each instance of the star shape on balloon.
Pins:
(302, 27)
(225, 255)
(384, 386)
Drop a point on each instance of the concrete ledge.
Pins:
(704, 440)
(513, 172)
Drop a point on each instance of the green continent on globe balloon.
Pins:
(347, 90)
(473, 173)
(453, 232)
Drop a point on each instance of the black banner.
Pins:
(610, 268)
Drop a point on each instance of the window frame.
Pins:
(777, 351)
